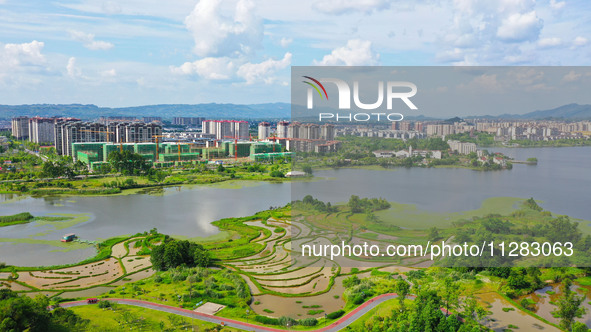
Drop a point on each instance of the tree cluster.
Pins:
(22, 313)
(358, 205)
(174, 253)
(128, 163)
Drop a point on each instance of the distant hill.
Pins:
(236, 111)
(211, 111)
(566, 112)
(570, 111)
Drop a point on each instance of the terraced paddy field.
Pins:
(124, 264)
(271, 278)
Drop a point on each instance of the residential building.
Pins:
(20, 127)
(282, 129)
(149, 119)
(42, 130)
(264, 130)
(187, 121)
(223, 129)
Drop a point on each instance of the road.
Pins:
(335, 326)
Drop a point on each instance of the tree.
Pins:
(201, 257)
(433, 233)
(569, 306)
(307, 169)
(128, 163)
(450, 294)
(61, 166)
(402, 288)
(173, 253)
(355, 204)
(22, 313)
(473, 312)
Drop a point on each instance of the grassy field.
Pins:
(127, 317)
(408, 216)
(187, 287)
(383, 310)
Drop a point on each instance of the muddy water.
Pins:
(544, 308)
(495, 303)
(288, 306)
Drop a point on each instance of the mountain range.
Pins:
(237, 111)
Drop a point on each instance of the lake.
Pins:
(561, 180)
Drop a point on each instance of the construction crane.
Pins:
(235, 147)
(105, 132)
(274, 139)
(158, 148)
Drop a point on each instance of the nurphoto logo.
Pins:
(392, 92)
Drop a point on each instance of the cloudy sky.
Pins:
(139, 52)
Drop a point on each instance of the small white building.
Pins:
(383, 154)
(293, 174)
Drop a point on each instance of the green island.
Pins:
(361, 152)
(484, 139)
(256, 274)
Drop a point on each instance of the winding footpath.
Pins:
(335, 326)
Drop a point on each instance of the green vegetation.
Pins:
(555, 143)
(22, 313)
(120, 317)
(358, 151)
(20, 218)
(173, 253)
(423, 314)
(189, 286)
(569, 306)
(128, 163)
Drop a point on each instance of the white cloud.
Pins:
(225, 68)
(209, 68)
(550, 42)
(285, 42)
(356, 53)
(348, 6)
(556, 5)
(454, 55)
(89, 42)
(253, 72)
(111, 7)
(580, 41)
(218, 32)
(72, 69)
(520, 27)
(109, 73)
(25, 54)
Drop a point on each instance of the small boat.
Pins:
(68, 237)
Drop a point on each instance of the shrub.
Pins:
(266, 320)
(104, 304)
(308, 322)
(315, 312)
(287, 321)
(336, 314)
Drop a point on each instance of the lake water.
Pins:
(562, 180)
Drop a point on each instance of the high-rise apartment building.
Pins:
(42, 130)
(226, 129)
(264, 130)
(282, 128)
(20, 127)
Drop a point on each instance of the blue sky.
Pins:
(139, 52)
